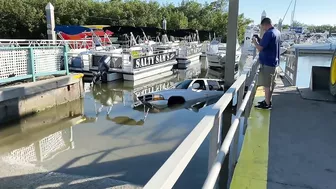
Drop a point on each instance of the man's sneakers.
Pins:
(262, 102)
(263, 105)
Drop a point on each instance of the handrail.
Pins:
(28, 62)
(73, 44)
(216, 167)
(171, 170)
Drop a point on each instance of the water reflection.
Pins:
(124, 120)
(41, 137)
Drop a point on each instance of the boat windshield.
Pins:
(183, 85)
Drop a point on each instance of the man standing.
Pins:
(269, 58)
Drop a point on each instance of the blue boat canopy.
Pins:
(72, 30)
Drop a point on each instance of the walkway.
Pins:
(292, 146)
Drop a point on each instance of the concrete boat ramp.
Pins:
(25, 176)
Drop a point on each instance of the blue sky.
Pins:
(315, 12)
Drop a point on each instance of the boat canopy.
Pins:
(205, 32)
(181, 32)
(65, 36)
(120, 30)
(72, 30)
(97, 27)
(152, 31)
(78, 30)
(99, 33)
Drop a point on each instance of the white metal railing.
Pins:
(19, 63)
(73, 44)
(215, 123)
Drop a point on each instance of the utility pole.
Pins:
(50, 21)
(231, 40)
(293, 14)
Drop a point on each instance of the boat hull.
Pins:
(150, 71)
(184, 63)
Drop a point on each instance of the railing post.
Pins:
(233, 155)
(240, 95)
(65, 55)
(295, 66)
(223, 178)
(254, 52)
(31, 62)
(214, 143)
(255, 75)
(241, 127)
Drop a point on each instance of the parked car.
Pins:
(191, 91)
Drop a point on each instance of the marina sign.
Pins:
(296, 29)
(153, 59)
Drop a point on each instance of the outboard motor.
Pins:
(103, 67)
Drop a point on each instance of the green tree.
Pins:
(26, 18)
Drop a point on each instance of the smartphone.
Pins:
(258, 38)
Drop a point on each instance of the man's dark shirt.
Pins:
(270, 55)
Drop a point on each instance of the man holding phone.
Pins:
(269, 58)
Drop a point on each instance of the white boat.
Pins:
(190, 51)
(138, 62)
(285, 46)
(143, 60)
(216, 55)
(80, 56)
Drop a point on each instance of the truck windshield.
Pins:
(183, 85)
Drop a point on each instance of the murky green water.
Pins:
(102, 135)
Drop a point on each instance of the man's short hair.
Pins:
(266, 21)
